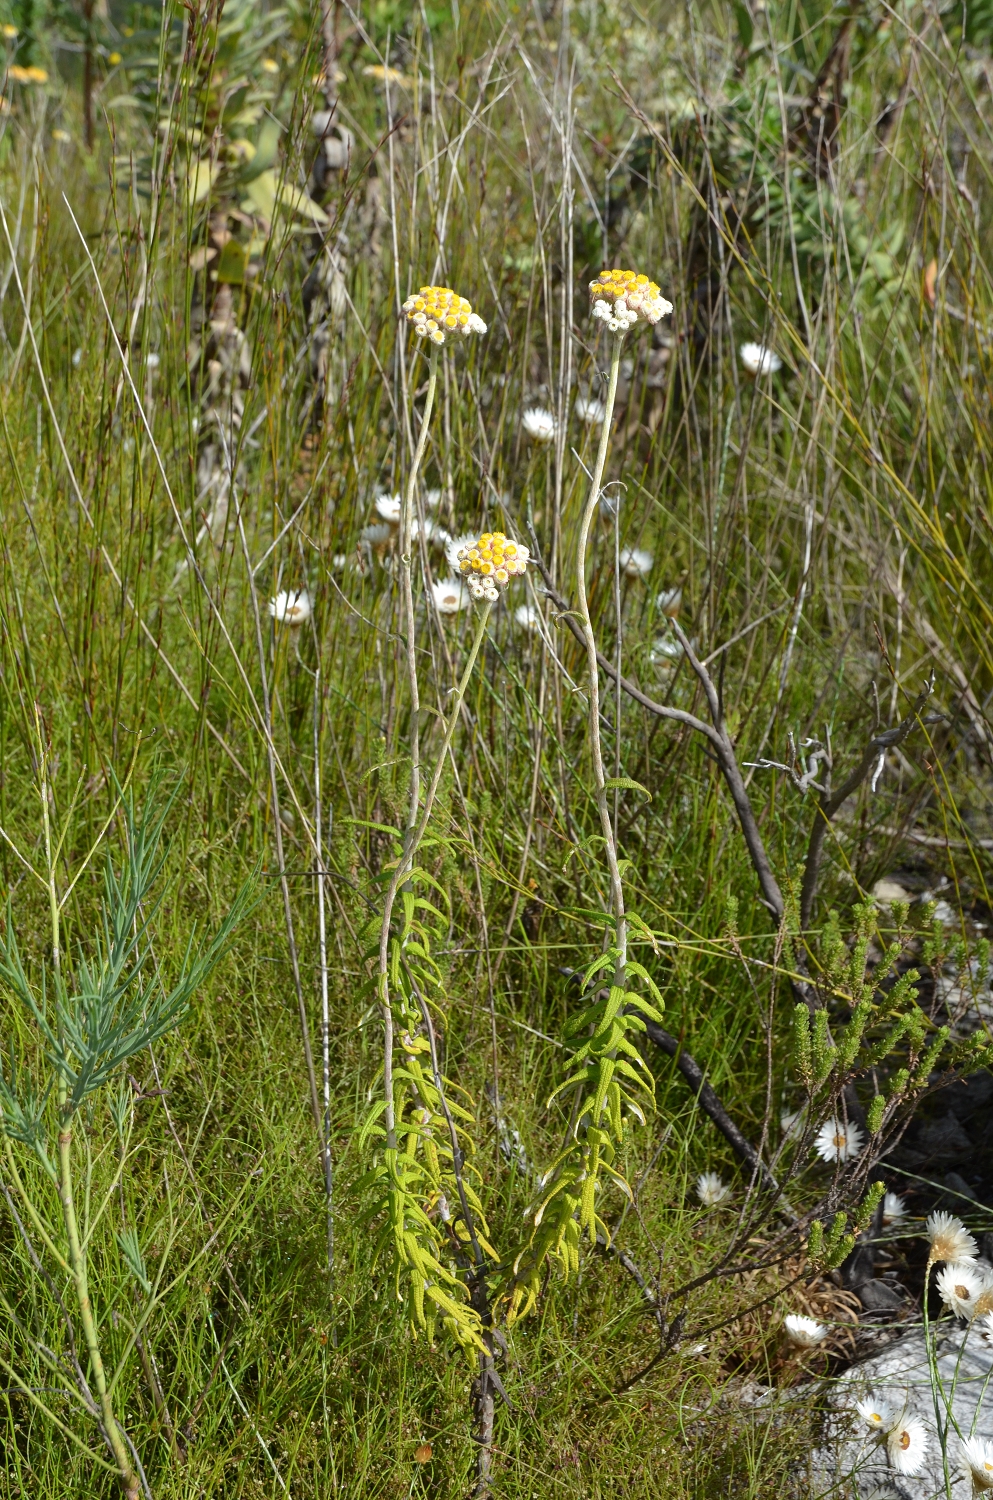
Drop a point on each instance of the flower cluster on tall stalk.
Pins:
(609, 1077)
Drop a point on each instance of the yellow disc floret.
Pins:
(433, 311)
(620, 298)
(489, 564)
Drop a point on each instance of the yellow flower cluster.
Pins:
(489, 564)
(435, 311)
(620, 298)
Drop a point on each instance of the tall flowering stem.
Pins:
(407, 591)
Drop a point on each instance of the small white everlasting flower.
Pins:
(434, 533)
(977, 1462)
(836, 1141)
(636, 562)
(449, 596)
(792, 1121)
(877, 1417)
(376, 536)
(539, 424)
(526, 616)
(806, 1333)
(591, 411)
(758, 360)
(711, 1190)
(432, 499)
(906, 1445)
(950, 1240)
(291, 607)
(960, 1285)
(894, 1209)
(984, 1326)
(669, 602)
(388, 506)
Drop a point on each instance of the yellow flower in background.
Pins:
(434, 312)
(27, 75)
(270, 65)
(386, 75)
(621, 298)
(61, 136)
(114, 58)
(10, 32)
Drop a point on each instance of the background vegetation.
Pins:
(205, 388)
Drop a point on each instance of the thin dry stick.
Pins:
(323, 948)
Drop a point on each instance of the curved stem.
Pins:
(407, 592)
(596, 750)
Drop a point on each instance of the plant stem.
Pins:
(407, 593)
(596, 751)
(405, 865)
(77, 1255)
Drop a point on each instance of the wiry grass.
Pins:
(832, 522)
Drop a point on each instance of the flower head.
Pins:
(670, 602)
(591, 410)
(449, 596)
(711, 1190)
(836, 1141)
(806, 1333)
(432, 531)
(960, 1285)
(27, 75)
(435, 312)
(758, 360)
(388, 506)
(526, 616)
(489, 564)
(636, 562)
(877, 1418)
(906, 1445)
(539, 424)
(432, 499)
(291, 607)
(894, 1209)
(621, 298)
(950, 1240)
(977, 1462)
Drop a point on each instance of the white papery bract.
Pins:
(711, 1189)
(837, 1141)
(806, 1333)
(977, 1463)
(876, 1416)
(539, 424)
(950, 1240)
(291, 607)
(635, 562)
(906, 1445)
(591, 411)
(960, 1285)
(894, 1209)
(758, 360)
(388, 506)
(449, 596)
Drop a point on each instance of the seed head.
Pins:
(489, 564)
(621, 298)
(435, 312)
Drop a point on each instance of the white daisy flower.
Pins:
(636, 562)
(984, 1326)
(539, 424)
(758, 360)
(792, 1122)
(806, 1333)
(590, 410)
(877, 1417)
(950, 1240)
(527, 617)
(665, 650)
(457, 544)
(960, 1285)
(432, 499)
(711, 1189)
(449, 596)
(376, 536)
(339, 562)
(906, 1445)
(388, 506)
(836, 1141)
(977, 1462)
(434, 533)
(894, 1209)
(291, 607)
(669, 602)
